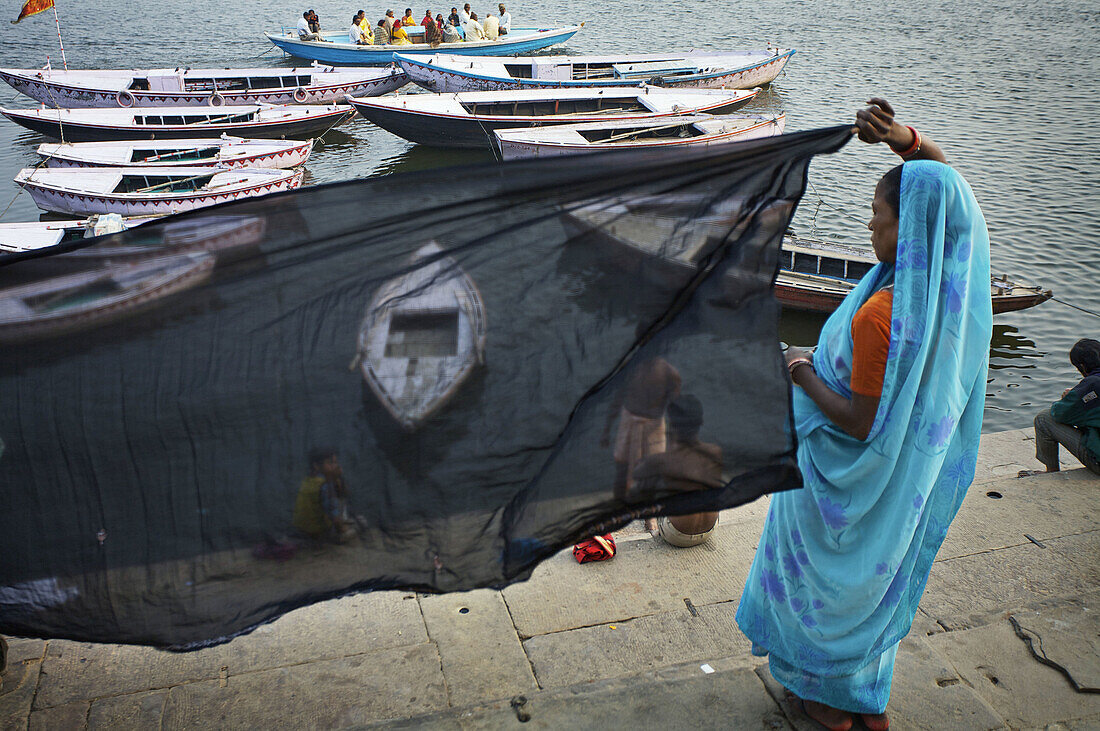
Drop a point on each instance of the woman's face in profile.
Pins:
(884, 228)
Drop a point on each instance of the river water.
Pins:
(1010, 89)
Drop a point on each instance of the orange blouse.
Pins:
(871, 343)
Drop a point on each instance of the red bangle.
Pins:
(913, 147)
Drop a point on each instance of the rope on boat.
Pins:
(21, 188)
(1082, 309)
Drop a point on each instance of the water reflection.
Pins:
(1011, 350)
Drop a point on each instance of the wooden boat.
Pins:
(257, 120)
(187, 87)
(422, 337)
(816, 276)
(648, 234)
(699, 69)
(227, 152)
(700, 130)
(148, 191)
(76, 302)
(223, 235)
(23, 237)
(468, 119)
(336, 48)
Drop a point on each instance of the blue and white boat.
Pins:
(341, 52)
(442, 72)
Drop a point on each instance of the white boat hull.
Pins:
(87, 203)
(412, 386)
(451, 76)
(142, 286)
(40, 86)
(291, 156)
(512, 144)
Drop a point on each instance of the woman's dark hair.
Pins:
(891, 190)
(1085, 355)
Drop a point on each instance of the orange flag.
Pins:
(33, 7)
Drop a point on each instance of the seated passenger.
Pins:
(432, 35)
(304, 32)
(505, 20)
(473, 29)
(400, 37)
(451, 32)
(368, 32)
(456, 21)
(381, 33)
(1073, 421)
(355, 33)
(687, 465)
(491, 27)
(408, 21)
(428, 19)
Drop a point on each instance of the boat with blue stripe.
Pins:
(338, 51)
(690, 69)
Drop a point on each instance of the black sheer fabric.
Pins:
(491, 356)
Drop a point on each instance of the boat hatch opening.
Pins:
(551, 71)
(805, 263)
(164, 119)
(139, 84)
(68, 298)
(656, 68)
(174, 155)
(423, 335)
(161, 183)
(582, 71)
(244, 83)
(518, 70)
(831, 268)
(857, 269)
(164, 82)
(633, 134)
(555, 106)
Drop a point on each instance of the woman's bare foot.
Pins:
(651, 525)
(831, 718)
(875, 721)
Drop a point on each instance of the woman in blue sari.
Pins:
(888, 412)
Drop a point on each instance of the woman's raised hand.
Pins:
(875, 123)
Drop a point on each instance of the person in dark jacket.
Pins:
(1074, 421)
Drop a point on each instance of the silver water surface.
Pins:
(1009, 88)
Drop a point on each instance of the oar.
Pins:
(151, 188)
(177, 153)
(624, 135)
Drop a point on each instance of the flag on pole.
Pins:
(33, 7)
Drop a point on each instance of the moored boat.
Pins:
(26, 236)
(468, 119)
(225, 235)
(422, 337)
(700, 130)
(227, 152)
(224, 152)
(186, 87)
(75, 302)
(148, 191)
(697, 69)
(814, 275)
(336, 48)
(159, 123)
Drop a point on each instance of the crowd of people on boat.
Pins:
(459, 26)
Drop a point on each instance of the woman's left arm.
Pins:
(854, 416)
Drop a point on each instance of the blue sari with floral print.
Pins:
(842, 563)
